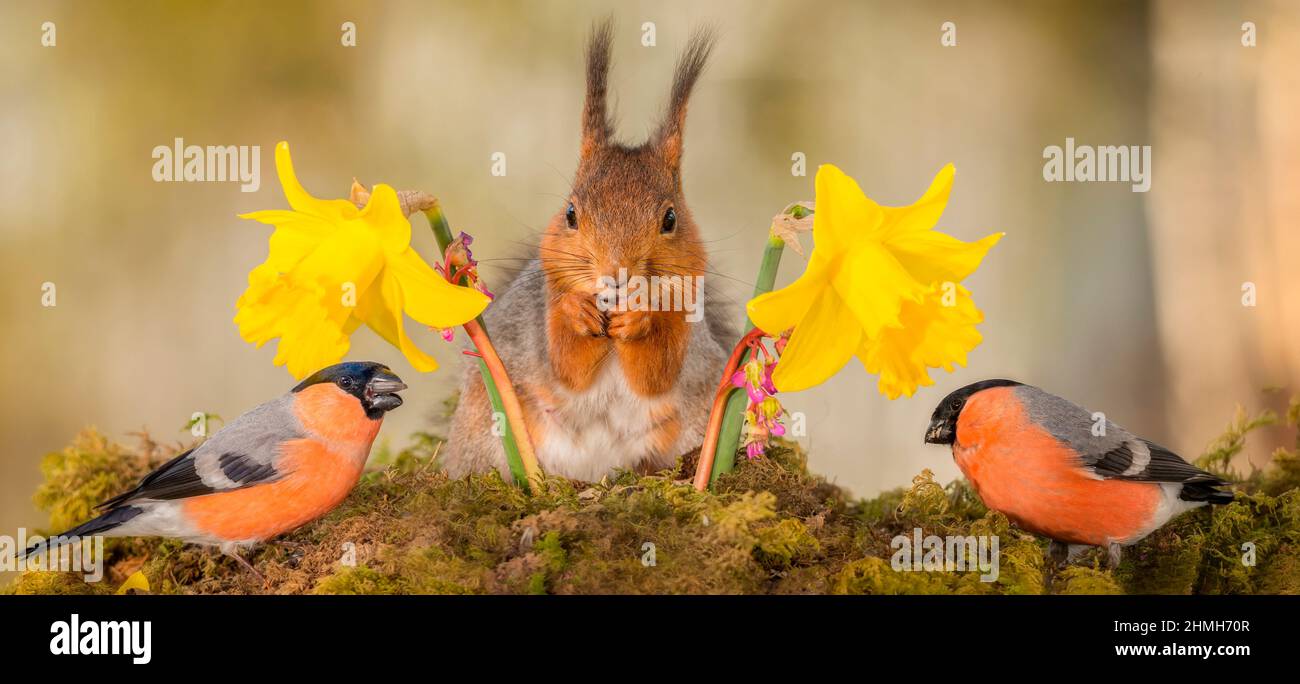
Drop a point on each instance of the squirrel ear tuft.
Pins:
(689, 67)
(596, 129)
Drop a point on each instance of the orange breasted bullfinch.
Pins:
(1056, 470)
(269, 471)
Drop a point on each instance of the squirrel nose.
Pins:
(627, 266)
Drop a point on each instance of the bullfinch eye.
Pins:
(571, 216)
(345, 382)
(670, 221)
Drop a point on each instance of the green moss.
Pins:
(1081, 579)
(1284, 472)
(785, 543)
(926, 501)
(770, 526)
(1023, 566)
(67, 583)
(1219, 455)
(1281, 574)
(876, 576)
(82, 475)
(358, 580)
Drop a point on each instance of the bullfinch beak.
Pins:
(381, 391)
(939, 432)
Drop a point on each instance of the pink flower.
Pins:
(458, 253)
(767, 379)
(458, 265)
(780, 343)
(763, 412)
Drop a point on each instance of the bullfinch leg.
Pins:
(232, 552)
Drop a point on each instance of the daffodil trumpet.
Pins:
(520, 456)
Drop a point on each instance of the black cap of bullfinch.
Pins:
(1062, 471)
(273, 469)
(943, 422)
(373, 384)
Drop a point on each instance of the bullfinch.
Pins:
(269, 471)
(1062, 472)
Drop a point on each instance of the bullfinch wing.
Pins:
(1112, 452)
(242, 454)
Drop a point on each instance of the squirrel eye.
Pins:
(571, 216)
(670, 221)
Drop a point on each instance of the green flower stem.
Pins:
(709, 449)
(517, 458)
(733, 417)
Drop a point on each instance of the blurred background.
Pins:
(1124, 302)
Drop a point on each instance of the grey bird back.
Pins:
(1071, 423)
(1104, 448)
(257, 434)
(242, 454)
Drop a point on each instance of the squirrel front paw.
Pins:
(629, 325)
(583, 314)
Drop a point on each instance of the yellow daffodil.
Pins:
(332, 267)
(880, 284)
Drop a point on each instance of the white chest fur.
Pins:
(590, 434)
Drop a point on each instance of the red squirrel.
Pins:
(608, 380)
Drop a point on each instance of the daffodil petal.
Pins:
(936, 333)
(352, 324)
(822, 343)
(381, 309)
(342, 268)
(136, 581)
(844, 215)
(384, 214)
(309, 340)
(934, 257)
(922, 215)
(873, 285)
(260, 310)
(299, 198)
(295, 235)
(779, 310)
(429, 298)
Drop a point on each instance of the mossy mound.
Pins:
(770, 528)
